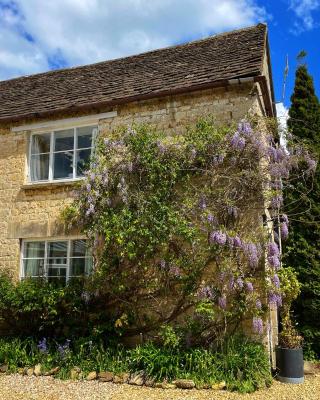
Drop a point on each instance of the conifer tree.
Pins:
(302, 249)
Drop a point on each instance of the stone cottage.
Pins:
(48, 122)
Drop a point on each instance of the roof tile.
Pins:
(220, 57)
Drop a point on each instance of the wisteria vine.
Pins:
(195, 218)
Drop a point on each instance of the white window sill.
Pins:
(50, 184)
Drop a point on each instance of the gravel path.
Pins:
(18, 387)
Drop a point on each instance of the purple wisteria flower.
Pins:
(272, 153)
(258, 304)
(259, 146)
(275, 299)
(279, 170)
(205, 292)
(312, 164)
(273, 249)
(218, 237)
(238, 142)
(237, 241)
(222, 301)
(231, 282)
(257, 325)
(232, 211)
(218, 159)
(276, 281)
(284, 231)
(90, 210)
(239, 283)
(273, 255)
(277, 201)
(245, 127)
(285, 218)
(276, 184)
(211, 219)
(42, 346)
(88, 187)
(162, 264)
(251, 252)
(274, 262)
(249, 287)
(222, 276)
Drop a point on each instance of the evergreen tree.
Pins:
(302, 202)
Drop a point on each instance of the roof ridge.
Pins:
(181, 45)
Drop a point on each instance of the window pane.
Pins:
(40, 143)
(57, 272)
(78, 248)
(77, 266)
(84, 136)
(33, 267)
(80, 266)
(57, 249)
(63, 165)
(34, 249)
(39, 167)
(82, 161)
(63, 140)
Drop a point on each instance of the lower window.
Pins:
(56, 260)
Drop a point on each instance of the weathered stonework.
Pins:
(28, 211)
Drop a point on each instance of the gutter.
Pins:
(260, 79)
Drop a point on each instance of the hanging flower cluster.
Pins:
(182, 216)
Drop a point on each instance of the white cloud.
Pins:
(303, 10)
(36, 35)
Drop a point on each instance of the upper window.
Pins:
(62, 154)
(57, 261)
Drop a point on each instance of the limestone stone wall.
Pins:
(33, 212)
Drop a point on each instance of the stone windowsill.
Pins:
(49, 185)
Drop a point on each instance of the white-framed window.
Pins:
(60, 154)
(55, 260)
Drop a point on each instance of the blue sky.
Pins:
(37, 35)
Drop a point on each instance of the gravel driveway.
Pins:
(18, 387)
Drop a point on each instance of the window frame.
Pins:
(45, 258)
(75, 149)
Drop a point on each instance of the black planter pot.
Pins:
(290, 365)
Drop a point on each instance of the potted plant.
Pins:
(289, 350)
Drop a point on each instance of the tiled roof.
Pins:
(174, 69)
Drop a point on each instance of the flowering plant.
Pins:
(290, 288)
(182, 224)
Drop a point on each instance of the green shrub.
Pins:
(38, 308)
(242, 364)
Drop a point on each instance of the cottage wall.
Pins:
(33, 211)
